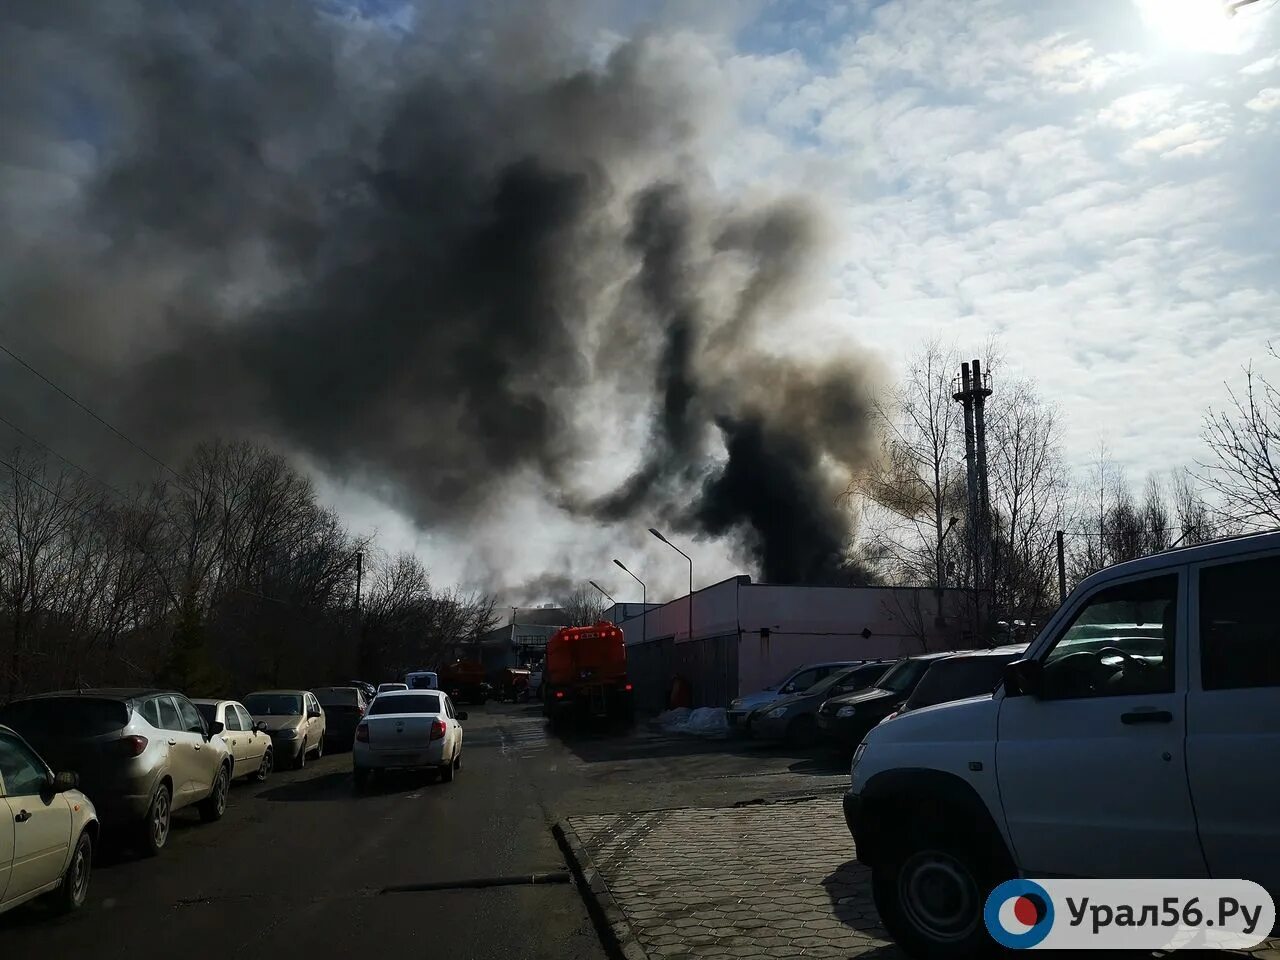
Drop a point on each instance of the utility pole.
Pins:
(359, 576)
(1062, 570)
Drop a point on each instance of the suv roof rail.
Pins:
(1227, 539)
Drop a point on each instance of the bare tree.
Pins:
(582, 607)
(919, 484)
(1030, 490)
(1244, 446)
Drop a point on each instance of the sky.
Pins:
(1088, 183)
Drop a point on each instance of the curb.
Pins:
(610, 922)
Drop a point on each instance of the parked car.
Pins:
(422, 680)
(390, 687)
(343, 708)
(409, 729)
(294, 720)
(368, 689)
(795, 718)
(252, 754)
(797, 681)
(960, 676)
(1107, 751)
(140, 754)
(845, 720)
(50, 830)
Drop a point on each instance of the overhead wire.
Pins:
(114, 429)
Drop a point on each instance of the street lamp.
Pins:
(690, 559)
(644, 595)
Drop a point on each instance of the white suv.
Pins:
(1138, 738)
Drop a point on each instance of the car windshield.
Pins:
(825, 684)
(209, 711)
(274, 704)
(903, 677)
(414, 703)
(337, 696)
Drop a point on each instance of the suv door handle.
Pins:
(1147, 716)
(21, 816)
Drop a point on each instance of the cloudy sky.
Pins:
(1089, 182)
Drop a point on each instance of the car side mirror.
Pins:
(260, 726)
(789, 688)
(462, 715)
(313, 714)
(216, 728)
(64, 781)
(1024, 678)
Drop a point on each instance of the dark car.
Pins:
(964, 675)
(344, 708)
(368, 689)
(795, 718)
(846, 719)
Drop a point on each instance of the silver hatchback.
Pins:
(140, 754)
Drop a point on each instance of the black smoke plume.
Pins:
(408, 246)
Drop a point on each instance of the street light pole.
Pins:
(644, 595)
(690, 559)
(602, 592)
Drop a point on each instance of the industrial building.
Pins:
(736, 636)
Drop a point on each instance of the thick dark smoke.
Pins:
(408, 249)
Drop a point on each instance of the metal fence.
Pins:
(709, 664)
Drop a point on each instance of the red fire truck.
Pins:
(585, 674)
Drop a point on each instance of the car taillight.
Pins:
(559, 694)
(133, 746)
(626, 687)
(362, 733)
(437, 729)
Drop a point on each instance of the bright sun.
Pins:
(1197, 25)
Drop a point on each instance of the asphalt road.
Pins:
(303, 866)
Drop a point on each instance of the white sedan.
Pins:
(408, 729)
(47, 830)
(246, 738)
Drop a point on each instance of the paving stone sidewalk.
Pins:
(749, 883)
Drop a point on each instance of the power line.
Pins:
(53, 493)
(116, 430)
(69, 462)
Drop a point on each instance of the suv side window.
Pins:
(1239, 629)
(21, 773)
(151, 712)
(191, 720)
(1120, 643)
(169, 719)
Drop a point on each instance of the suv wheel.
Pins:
(154, 829)
(930, 893)
(214, 806)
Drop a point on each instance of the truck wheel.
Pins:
(930, 892)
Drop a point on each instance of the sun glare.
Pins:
(1203, 25)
